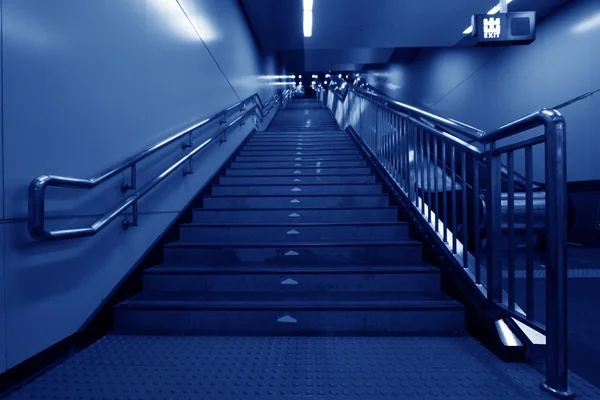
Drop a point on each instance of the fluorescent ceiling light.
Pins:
(308, 5)
(493, 11)
(589, 24)
(308, 23)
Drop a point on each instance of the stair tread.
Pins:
(292, 209)
(288, 245)
(162, 269)
(291, 224)
(351, 195)
(399, 300)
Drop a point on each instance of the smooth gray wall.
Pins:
(85, 85)
(488, 87)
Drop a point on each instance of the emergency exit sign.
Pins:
(504, 29)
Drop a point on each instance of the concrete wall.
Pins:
(86, 84)
(487, 87)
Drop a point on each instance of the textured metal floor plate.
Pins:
(154, 367)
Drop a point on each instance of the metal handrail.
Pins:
(37, 188)
(406, 144)
(476, 135)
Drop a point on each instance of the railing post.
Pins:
(556, 265)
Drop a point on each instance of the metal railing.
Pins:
(37, 188)
(456, 191)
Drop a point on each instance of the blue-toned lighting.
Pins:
(308, 17)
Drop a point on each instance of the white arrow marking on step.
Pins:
(287, 319)
(295, 201)
(293, 232)
(299, 153)
(298, 158)
(289, 281)
(297, 165)
(298, 148)
(291, 253)
(294, 215)
(296, 190)
(297, 180)
(297, 172)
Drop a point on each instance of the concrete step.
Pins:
(296, 216)
(291, 281)
(399, 252)
(427, 314)
(297, 164)
(323, 152)
(294, 157)
(295, 148)
(286, 202)
(291, 232)
(293, 180)
(300, 134)
(337, 144)
(257, 140)
(295, 190)
(298, 172)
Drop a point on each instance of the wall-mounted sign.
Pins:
(504, 29)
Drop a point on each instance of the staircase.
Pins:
(298, 237)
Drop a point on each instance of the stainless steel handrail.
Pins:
(406, 144)
(37, 188)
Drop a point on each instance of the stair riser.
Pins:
(302, 171)
(328, 135)
(297, 129)
(305, 202)
(297, 153)
(302, 147)
(285, 190)
(319, 283)
(295, 158)
(215, 234)
(317, 255)
(305, 216)
(419, 322)
(258, 141)
(307, 180)
(298, 163)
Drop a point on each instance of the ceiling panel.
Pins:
(355, 25)
(329, 59)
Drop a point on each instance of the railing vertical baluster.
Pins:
(445, 192)
(408, 145)
(394, 150)
(510, 199)
(428, 165)
(476, 220)
(435, 184)
(494, 234)
(422, 169)
(453, 204)
(464, 221)
(529, 240)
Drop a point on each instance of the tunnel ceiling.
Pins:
(353, 33)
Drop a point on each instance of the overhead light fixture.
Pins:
(493, 11)
(308, 17)
(300, 76)
(589, 24)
